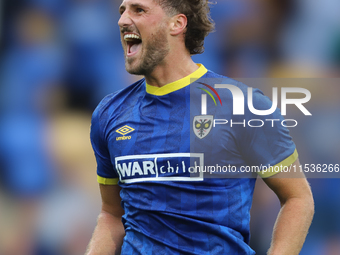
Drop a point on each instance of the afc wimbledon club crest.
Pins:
(202, 125)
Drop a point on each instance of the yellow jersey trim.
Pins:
(285, 163)
(177, 85)
(107, 181)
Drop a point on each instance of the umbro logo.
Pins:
(124, 131)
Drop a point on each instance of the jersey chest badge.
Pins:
(202, 125)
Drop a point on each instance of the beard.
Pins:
(153, 53)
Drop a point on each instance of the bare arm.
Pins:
(108, 235)
(296, 214)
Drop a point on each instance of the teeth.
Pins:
(131, 36)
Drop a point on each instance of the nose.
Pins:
(124, 19)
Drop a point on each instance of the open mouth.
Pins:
(134, 43)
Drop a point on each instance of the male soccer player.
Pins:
(154, 140)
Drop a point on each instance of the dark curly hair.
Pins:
(199, 24)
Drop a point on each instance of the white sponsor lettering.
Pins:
(159, 167)
(148, 166)
(136, 169)
(124, 170)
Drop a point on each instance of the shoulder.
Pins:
(120, 99)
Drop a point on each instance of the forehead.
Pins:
(148, 3)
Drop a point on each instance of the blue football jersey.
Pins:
(178, 152)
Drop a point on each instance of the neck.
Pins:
(171, 70)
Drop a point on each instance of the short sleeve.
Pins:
(266, 142)
(105, 171)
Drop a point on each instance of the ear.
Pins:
(178, 24)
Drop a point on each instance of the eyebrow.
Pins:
(139, 5)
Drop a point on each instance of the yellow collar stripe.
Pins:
(176, 85)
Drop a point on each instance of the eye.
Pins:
(121, 11)
(140, 10)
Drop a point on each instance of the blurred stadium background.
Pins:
(60, 57)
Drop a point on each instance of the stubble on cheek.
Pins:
(152, 53)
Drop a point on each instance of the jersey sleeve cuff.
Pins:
(278, 167)
(107, 181)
